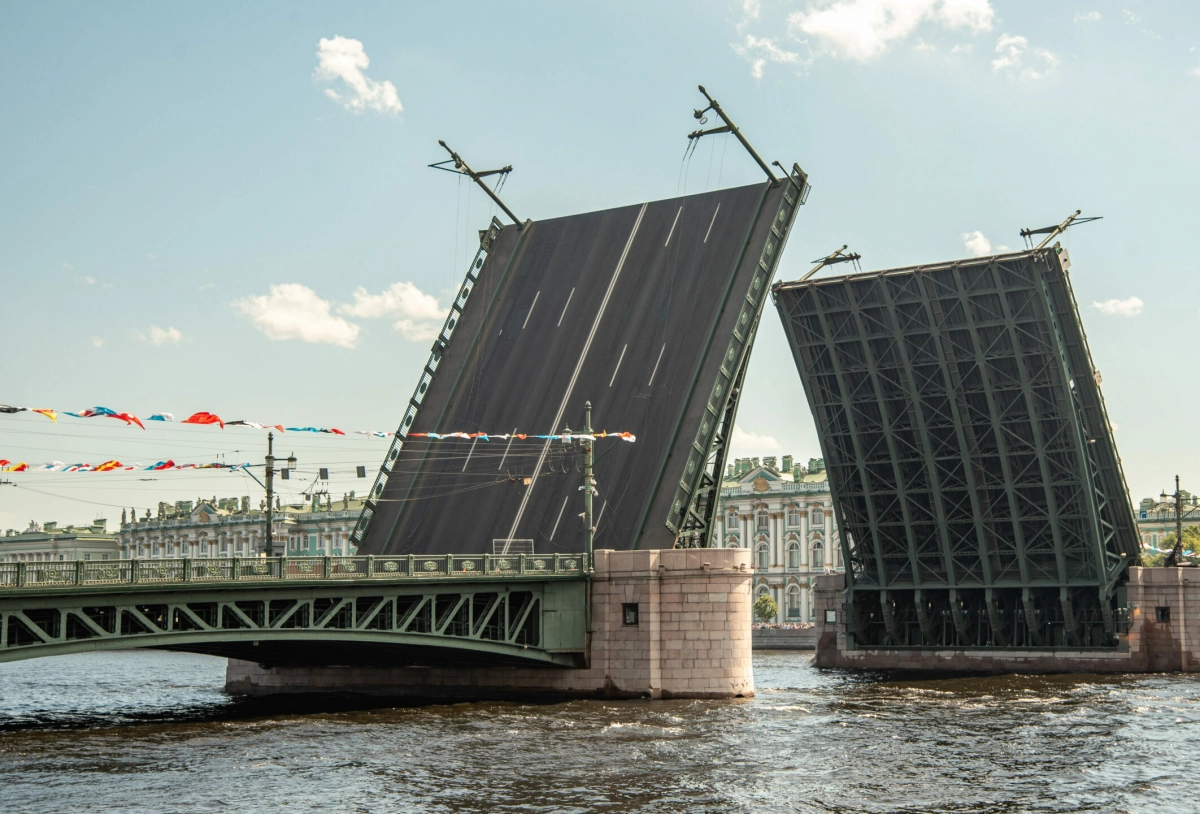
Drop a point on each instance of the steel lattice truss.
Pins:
(455, 620)
(968, 449)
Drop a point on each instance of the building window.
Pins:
(793, 556)
(731, 544)
(793, 602)
(629, 614)
(731, 522)
(87, 556)
(1162, 614)
(793, 517)
(762, 556)
(818, 517)
(762, 521)
(818, 555)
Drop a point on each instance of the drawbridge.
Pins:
(969, 452)
(646, 311)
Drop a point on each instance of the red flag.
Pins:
(128, 418)
(204, 418)
(108, 466)
(4, 462)
(336, 431)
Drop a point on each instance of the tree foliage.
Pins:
(1191, 547)
(765, 608)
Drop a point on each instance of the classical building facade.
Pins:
(230, 527)
(784, 515)
(1156, 517)
(48, 542)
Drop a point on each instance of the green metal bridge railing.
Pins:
(64, 575)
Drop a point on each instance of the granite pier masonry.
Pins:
(1163, 636)
(663, 624)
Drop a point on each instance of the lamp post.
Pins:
(589, 482)
(269, 486)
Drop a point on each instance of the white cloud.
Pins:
(1128, 308)
(1130, 17)
(758, 51)
(1195, 71)
(294, 311)
(344, 59)
(864, 29)
(96, 342)
(169, 336)
(751, 8)
(752, 442)
(965, 48)
(979, 246)
(1016, 55)
(1090, 17)
(89, 279)
(418, 315)
(924, 47)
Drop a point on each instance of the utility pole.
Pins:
(269, 486)
(269, 550)
(589, 482)
(1177, 551)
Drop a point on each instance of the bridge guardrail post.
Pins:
(370, 565)
(521, 564)
(78, 572)
(409, 566)
(234, 571)
(283, 567)
(133, 571)
(187, 569)
(328, 572)
(20, 575)
(449, 565)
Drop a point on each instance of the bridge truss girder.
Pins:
(453, 622)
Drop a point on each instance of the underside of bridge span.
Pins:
(970, 455)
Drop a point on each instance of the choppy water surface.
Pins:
(152, 732)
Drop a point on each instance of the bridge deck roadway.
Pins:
(629, 308)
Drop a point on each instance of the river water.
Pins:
(147, 731)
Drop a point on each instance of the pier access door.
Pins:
(978, 488)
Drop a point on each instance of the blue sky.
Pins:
(203, 208)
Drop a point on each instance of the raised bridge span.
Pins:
(647, 311)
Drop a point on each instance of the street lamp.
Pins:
(269, 486)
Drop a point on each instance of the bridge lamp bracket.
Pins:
(1052, 232)
(727, 127)
(457, 165)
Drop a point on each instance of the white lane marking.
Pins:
(506, 448)
(554, 427)
(711, 222)
(564, 311)
(673, 223)
(618, 367)
(469, 454)
(559, 520)
(531, 307)
(655, 372)
(599, 516)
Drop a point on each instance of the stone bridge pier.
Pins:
(662, 624)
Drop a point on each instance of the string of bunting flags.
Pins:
(109, 466)
(206, 418)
